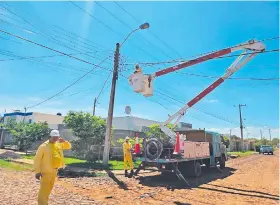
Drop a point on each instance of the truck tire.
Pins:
(195, 169)
(207, 163)
(222, 162)
(272, 153)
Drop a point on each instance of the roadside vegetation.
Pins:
(242, 154)
(15, 166)
(71, 161)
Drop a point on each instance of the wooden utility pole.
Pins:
(24, 114)
(269, 135)
(94, 105)
(241, 126)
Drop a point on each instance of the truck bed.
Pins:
(166, 161)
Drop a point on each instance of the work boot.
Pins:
(131, 174)
(125, 173)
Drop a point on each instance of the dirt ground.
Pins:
(248, 180)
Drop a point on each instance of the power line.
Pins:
(39, 57)
(57, 51)
(75, 82)
(103, 86)
(130, 28)
(149, 30)
(232, 78)
(110, 28)
(213, 115)
(50, 37)
(184, 60)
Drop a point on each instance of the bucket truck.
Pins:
(197, 147)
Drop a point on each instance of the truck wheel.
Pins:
(195, 169)
(207, 163)
(222, 162)
(272, 153)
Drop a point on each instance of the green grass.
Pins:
(113, 164)
(28, 156)
(14, 166)
(242, 154)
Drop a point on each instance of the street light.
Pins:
(112, 95)
(142, 27)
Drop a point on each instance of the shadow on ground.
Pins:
(171, 181)
(241, 192)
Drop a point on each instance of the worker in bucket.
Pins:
(127, 152)
(48, 159)
(137, 70)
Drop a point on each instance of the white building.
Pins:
(35, 117)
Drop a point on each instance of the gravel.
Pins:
(10, 155)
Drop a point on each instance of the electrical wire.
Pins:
(111, 29)
(75, 82)
(131, 28)
(231, 78)
(103, 86)
(149, 30)
(184, 60)
(198, 109)
(51, 38)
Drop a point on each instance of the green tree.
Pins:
(90, 131)
(154, 131)
(275, 141)
(25, 134)
(132, 141)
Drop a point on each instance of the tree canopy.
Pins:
(90, 132)
(25, 134)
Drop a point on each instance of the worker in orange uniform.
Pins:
(49, 158)
(127, 149)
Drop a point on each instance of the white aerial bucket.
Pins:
(137, 82)
(148, 86)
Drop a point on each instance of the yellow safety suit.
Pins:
(48, 159)
(127, 155)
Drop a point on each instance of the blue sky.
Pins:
(188, 28)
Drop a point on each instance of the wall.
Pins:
(131, 123)
(49, 118)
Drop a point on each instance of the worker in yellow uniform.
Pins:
(49, 158)
(127, 149)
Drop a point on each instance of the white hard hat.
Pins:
(127, 138)
(54, 133)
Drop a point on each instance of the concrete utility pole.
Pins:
(24, 113)
(241, 126)
(94, 105)
(261, 134)
(112, 95)
(269, 135)
(111, 106)
(229, 133)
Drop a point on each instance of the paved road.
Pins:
(249, 180)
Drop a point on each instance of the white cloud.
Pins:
(212, 101)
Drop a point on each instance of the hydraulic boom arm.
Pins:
(252, 45)
(234, 67)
